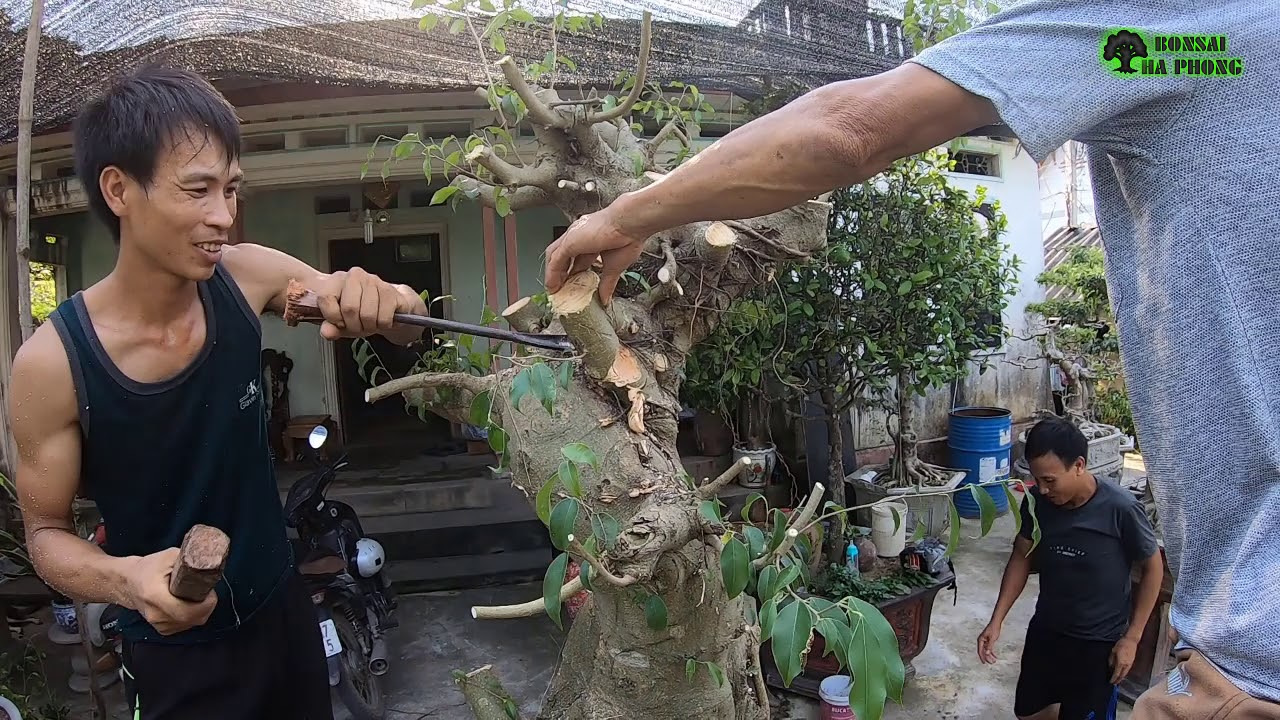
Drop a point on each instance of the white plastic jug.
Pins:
(889, 541)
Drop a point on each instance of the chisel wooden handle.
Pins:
(201, 560)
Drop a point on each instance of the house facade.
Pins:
(448, 521)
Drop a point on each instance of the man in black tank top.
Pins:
(143, 393)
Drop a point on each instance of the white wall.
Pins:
(1004, 384)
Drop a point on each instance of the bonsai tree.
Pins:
(590, 436)
(933, 281)
(1081, 340)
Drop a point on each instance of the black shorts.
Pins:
(272, 668)
(1061, 669)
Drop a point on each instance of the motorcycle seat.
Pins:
(323, 565)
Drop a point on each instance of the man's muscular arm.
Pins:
(354, 302)
(46, 426)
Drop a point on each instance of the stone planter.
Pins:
(909, 615)
(931, 510)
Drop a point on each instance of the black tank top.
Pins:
(161, 457)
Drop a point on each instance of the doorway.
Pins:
(387, 431)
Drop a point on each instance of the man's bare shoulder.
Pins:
(42, 391)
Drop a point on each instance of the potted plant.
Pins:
(726, 380)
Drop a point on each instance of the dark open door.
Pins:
(415, 261)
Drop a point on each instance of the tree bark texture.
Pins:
(622, 402)
(26, 114)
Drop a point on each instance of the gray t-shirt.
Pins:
(1186, 176)
(1085, 558)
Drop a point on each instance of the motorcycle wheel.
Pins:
(359, 689)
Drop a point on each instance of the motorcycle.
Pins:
(343, 570)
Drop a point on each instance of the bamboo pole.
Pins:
(26, 117)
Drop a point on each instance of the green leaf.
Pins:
(543, 384)
(875, 659)
(954, 540)
(520, 387)
(564, 517)
(510, 708)
(779, 529)
(606, 527)
(419, 4)
(904, 287)
(690, 667)
(768, 618)
(480, 409)
(551, 585)
(566, 374)
(655, 613)
(581, 454)
(838, 635)
(497, 439)
(755, 541)
(735, 567)
(790, 640)
(457, 26)
(443, 194)
(487, 6)
(498, 43)
(897, 519)
(503, 205)
(751, 500)
(919, 533)
(1035, 520)
(716, 673)
(570, 478)
(986, 506)
(428, 22)
(710, 509)
(637, 164)
(767, 583)
(584, 574)
(789, 575)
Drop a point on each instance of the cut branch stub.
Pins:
(524, 315)
(715, 245)
(586, 323)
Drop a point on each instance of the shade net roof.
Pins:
(725, 45)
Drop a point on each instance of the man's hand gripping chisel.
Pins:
(302, 305)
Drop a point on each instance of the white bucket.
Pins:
(834, 693)
(889, 542)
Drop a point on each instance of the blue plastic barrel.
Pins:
(980, 439)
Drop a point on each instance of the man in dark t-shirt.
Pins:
(1084, 634)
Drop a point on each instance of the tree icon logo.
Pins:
(1122, 46)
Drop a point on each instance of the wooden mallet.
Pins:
(201, 560)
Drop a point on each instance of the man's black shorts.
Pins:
(272, 668)
(1061, 669)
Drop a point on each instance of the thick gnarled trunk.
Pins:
(619, 398)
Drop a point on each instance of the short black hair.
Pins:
(138, 119)
(1060, 437)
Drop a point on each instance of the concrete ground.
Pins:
(438, 635)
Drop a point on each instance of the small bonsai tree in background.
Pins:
(934, 279)
(1080, 339)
